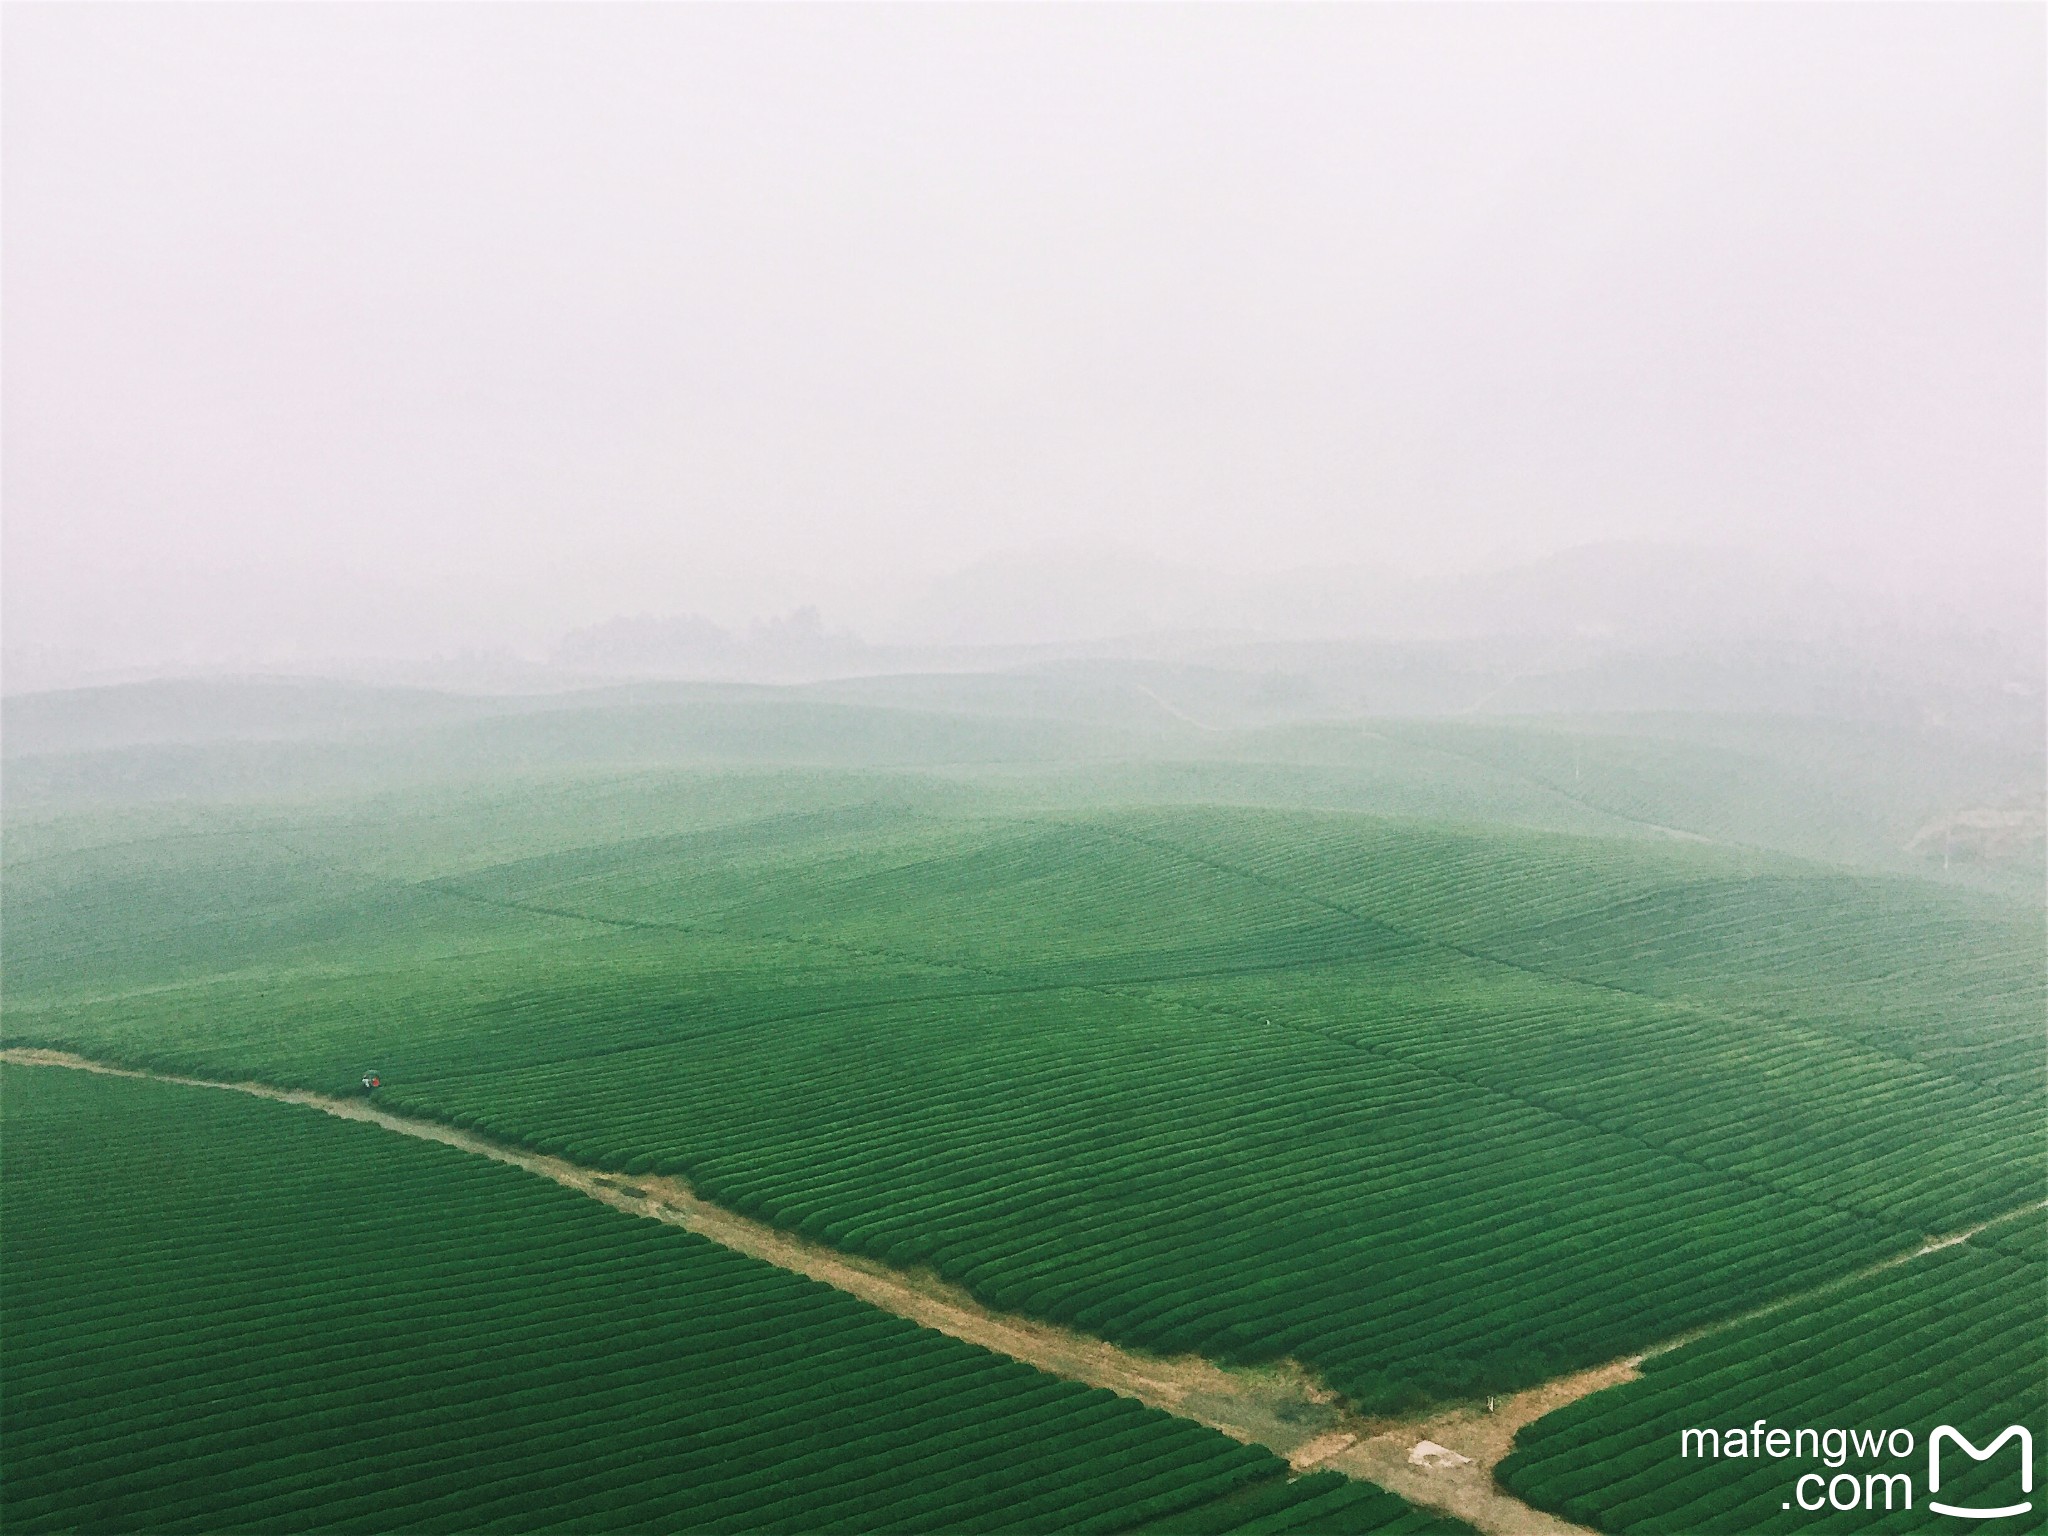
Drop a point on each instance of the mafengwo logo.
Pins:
(1841, 1487)
(1947, 1434)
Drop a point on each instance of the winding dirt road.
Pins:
(1443, 1460)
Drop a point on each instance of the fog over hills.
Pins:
(1606, 627)
(1011, 607)
(1612, 626)
(1203, 737)
(1643, 591)
(1012, 337)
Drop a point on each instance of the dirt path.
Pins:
(1444, 1459)
(1478, 1440)
(1404, 1456)
(1278, 1406)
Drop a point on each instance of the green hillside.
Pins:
(225, 1314)
(1436, 1108)
(1440, 1056)
(1931, 800)
(1953, 1337)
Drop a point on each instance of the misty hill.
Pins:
(1603, 628)
(192, 710)
(1914, 797)
(793, 648)
(1636, 593)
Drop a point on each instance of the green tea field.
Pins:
(228, 1315)
(1435, 1062)
(1086, 769)
(1954, 1337)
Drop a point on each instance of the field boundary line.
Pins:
(1141, 989)
(1717, 1011)
(1281, 1406)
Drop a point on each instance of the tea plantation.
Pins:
(1954, 1337)
(225, 1314)
(1436, 1110)
(1440, 1056)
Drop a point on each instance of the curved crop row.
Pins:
(1953, 1337)
(223, 1314)
(1439, 1111)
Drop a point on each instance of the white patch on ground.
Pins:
(1428, 1453)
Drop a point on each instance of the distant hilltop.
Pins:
(794, 647)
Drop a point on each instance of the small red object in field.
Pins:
(373, 1081)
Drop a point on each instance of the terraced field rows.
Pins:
(1779, 1105)
(1949, 979)
(1954, 1337)
(317, 1325)
(1234, 1194)
(1227, 1081)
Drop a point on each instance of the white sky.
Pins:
(388, 326)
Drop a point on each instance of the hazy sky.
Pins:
(414, 325)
